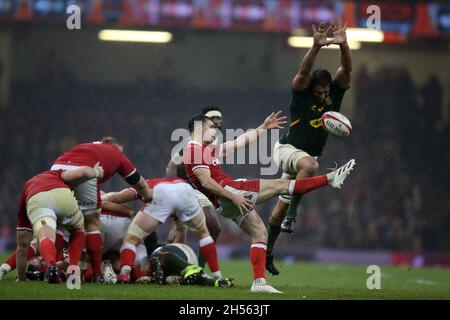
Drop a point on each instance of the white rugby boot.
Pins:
(260, 285)
(108, 273)
(336, 177)
(4, 269)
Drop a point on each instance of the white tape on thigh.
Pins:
(200, 223)
(137, 231)
(45, 221)
(285, 199)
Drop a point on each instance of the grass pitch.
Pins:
(301, 281)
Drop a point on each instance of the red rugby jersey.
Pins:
(205, 156)
(110, 157)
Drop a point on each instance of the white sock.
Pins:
(330, 176)
(217, 274)
(125, 269)
(291, 187)
(6, 267)
(259, 281)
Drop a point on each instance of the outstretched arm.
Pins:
(116, 207)
(126, 195)
(303, 77)
(143, 190)
(343, 73)
(171, 170)
(273, 121)
(79, 175)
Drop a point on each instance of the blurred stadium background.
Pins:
(59, 87)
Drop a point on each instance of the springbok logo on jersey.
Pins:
(316, 123)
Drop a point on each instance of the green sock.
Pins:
(292, 210)
(274, 230)
(201, 259)
(173, 263)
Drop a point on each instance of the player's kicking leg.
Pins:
(335, 179)
(272, 188)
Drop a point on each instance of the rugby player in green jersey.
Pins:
(313, 94)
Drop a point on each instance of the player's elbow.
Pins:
(204, 182)
(171, 170)
(88, 173)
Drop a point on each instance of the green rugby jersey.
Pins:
(305, 131)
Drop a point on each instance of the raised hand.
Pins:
(339, 34)
(275, 121)
(320, 36)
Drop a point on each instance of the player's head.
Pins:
(113, 141)
(215, 114)
(321, 82)
(202, 128)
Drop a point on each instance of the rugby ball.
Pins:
(336, 124)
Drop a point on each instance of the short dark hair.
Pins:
(197, 118)
(111, 140)
(321, 77)
(210, 108)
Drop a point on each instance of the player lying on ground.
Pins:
(236, 200)
(47, 202)
(177, 264)
(313, 94)
(170, 196)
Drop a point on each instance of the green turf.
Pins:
(297, 281)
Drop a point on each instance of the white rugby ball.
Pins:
(336, 124)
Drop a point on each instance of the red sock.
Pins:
(94, 250)
(305, 185)
(258, 259)
(11, 261)
(48, 251)
(59, 244)
(88, 274)
(136, 272)
(209, 251)
(76, 245)
(127, 255)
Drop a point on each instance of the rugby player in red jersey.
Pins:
(109, 152)
(237, 199)
(47, 202)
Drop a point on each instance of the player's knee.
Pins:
(92, 221)
(45, 227)
(200, 230)
(259, 233)
(307, 167)
(135, 234)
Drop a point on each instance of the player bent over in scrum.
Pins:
(177, 264)
(48, 201)
(170, 196)
(235, 199)
(109, 152)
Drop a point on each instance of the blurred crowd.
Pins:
(396, 199)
